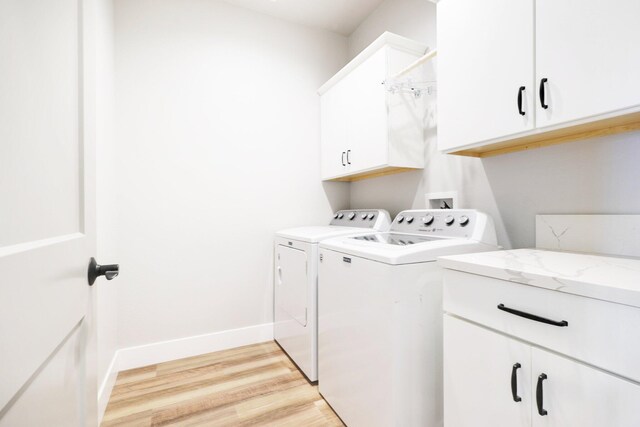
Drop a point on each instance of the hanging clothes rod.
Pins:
(418, 62)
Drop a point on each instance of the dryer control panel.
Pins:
(453, 223)
(377, 219)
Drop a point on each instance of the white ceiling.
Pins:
(341, 16)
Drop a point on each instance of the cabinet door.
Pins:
(478, 366)
(333, 131)
(588, 51)
(485, 54)
(574, 394)
(367, 131)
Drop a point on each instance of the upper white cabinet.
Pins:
(517, 74)
(366, 130)
(485, 57)
(589, 52)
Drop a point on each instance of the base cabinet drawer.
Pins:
(491, 379)
(596, 332)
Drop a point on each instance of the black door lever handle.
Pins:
(109, 271)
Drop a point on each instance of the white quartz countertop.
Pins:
(595, 276)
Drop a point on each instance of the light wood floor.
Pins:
(256, 385)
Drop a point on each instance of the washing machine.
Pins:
(296, 281)
(380, 316)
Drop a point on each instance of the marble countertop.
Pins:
(602, 277)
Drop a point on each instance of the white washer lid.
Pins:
(314, 234)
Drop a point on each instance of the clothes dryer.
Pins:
(296, 281)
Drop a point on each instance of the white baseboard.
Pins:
(107, 386)
(164, 351)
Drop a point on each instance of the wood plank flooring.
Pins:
(255, 385)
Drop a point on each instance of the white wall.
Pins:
(106, 203)
(216, 148)
(595, 176)
(409, 18)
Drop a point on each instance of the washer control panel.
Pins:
(364, 218)
(436, 222)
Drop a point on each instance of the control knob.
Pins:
(400, 218)
(340, 215)
(363, 216)
(449, 220)
(409, 219)
(427, 219)
(352, 215)
(371, 216)
(464, 220)
(335, 216)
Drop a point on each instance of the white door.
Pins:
(588, 52)
(367, 126)
(482, 371)
(333, 131)
(573, 394)
(485, 55)
(292, 283)
(46, 213)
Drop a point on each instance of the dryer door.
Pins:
(291, 282)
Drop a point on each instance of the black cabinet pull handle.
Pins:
(343, 164)
(520, 91)
(540, 396)
(514, 382)
(542, 103)
(348, 161)
(530, 316)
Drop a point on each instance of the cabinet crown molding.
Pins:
(386, 39)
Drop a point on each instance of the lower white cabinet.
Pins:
(575, 394)
(478, 370)
(493, 380)
(518, 355)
